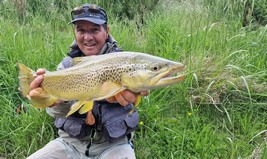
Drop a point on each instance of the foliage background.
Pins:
(219, 111)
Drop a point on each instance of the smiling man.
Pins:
(89, 135)
(90, 37)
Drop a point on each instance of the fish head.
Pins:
(148, 72)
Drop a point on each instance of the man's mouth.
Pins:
(90, 45)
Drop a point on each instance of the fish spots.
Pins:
(131, 69)
(85, 80)
(110, 73)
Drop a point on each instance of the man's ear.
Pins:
(107, 29)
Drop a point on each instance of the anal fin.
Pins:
(76, 106)
(87, 106)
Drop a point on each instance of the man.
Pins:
(90, 135)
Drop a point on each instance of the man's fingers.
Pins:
(40, 71)
(120, 98)
(126, 97)
(145, 93)
(36, 82)
(129, 96)
(112, 99)
(90, 119)
(38, 93)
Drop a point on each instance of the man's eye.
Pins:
(95, 30)
(81, 30)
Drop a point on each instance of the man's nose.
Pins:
(88, 36)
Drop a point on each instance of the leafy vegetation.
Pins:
(219, 111)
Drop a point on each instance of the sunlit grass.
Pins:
(219, 111)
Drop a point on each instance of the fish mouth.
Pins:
(174, 72)
(174, 75)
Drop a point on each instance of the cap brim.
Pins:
(92, 20)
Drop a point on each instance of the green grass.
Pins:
(219, 111)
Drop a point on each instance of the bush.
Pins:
(120, 9)
(255, 12)
(251, 12)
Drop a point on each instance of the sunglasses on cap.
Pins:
(89, 12)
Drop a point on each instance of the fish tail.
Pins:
(26, 76)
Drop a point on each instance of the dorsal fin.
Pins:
(81, 60)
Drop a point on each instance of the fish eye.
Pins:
(155, 68)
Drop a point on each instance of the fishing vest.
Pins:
(113, 121)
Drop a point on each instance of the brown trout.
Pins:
(98, 77)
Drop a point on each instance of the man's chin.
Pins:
(90, 52)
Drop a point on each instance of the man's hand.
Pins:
(36, 91)
(126, 97)
(38, 80)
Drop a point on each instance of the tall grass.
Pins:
(219, 111)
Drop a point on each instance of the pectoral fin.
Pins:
(87, 106)
(138, 100)
(108, 89)
(136, 103)
(76, 106)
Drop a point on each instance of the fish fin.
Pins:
(77, 60)
(77, 105)
(136, 103)
(26, 76)
(87, 106)
(81, 60)
(131, 112)
(138, 100)
(109, 89)
(41, 99)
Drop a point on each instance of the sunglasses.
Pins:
(91, 10)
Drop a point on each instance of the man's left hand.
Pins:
(126, 97)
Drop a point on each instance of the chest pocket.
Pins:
(75, 127)
(114, 120)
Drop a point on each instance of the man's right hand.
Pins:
(38, 80)
(37, 92)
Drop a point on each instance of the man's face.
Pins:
(90, 37)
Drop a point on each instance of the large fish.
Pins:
(94, 78)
